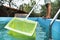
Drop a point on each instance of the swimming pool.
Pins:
(44, 23)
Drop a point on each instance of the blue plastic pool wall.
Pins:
(44, 23)
(55, 27)
(56, 30)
